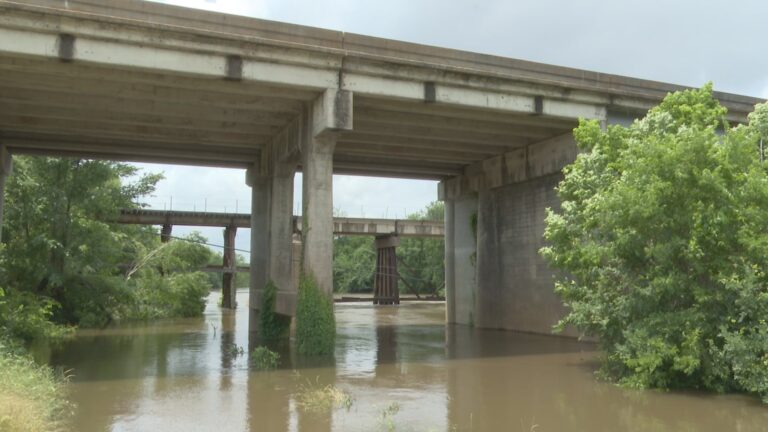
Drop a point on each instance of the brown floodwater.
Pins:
(403, 368)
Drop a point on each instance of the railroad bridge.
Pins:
(386, 231)
(138, 81)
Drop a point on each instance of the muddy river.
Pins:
(398, 369)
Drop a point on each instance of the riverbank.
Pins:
(32, 397)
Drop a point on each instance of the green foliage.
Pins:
(62, 259)
(354, 263)
(315, 322)
(26, 316)
(242, 279)
(32, 397)
(58, 246)
(661, 240)
(181, 295)
(422, 260)
(264, 359)
(271, 324)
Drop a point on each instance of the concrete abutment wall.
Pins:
(495, 277)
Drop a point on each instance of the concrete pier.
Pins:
(330, 115)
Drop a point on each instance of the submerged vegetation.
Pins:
(662, 245)
(263, 358)
(314, 397)
(315, 322)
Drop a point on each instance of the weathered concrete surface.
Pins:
(460, 256)
(499, 279)
(515, 285)
(260, 194)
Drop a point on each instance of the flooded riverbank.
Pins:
(402, 367)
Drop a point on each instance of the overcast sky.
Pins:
(683, 41)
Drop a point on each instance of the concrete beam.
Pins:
(536, 160)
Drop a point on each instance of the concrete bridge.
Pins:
(386, 231)
(136, 81)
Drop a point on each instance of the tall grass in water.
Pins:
(32, 397)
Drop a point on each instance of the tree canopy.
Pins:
(661, 243)
(63, 261)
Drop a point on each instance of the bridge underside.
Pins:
(139, 81)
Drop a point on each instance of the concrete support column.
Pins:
(228, 288)
(385, 290)
(165, 233)
(281, 236)
(450, 269)
(317, 213)
(461, 259)
(5, 171)
(260, 194)
(330, 114)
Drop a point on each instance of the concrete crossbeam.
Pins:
(536, 160)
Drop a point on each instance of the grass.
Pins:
(315, 398)
(32, 397)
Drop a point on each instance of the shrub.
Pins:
(661, 240)
(315, 322)
(175, 295)
(264, 359)
(271, 324)
(26, 316)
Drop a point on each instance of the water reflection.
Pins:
(179, 375)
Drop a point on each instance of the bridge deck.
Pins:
(142, 81)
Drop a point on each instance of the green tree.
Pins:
(166, 280)
(58, 245)
(354, 263)
(661, 242)
(422, 260)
